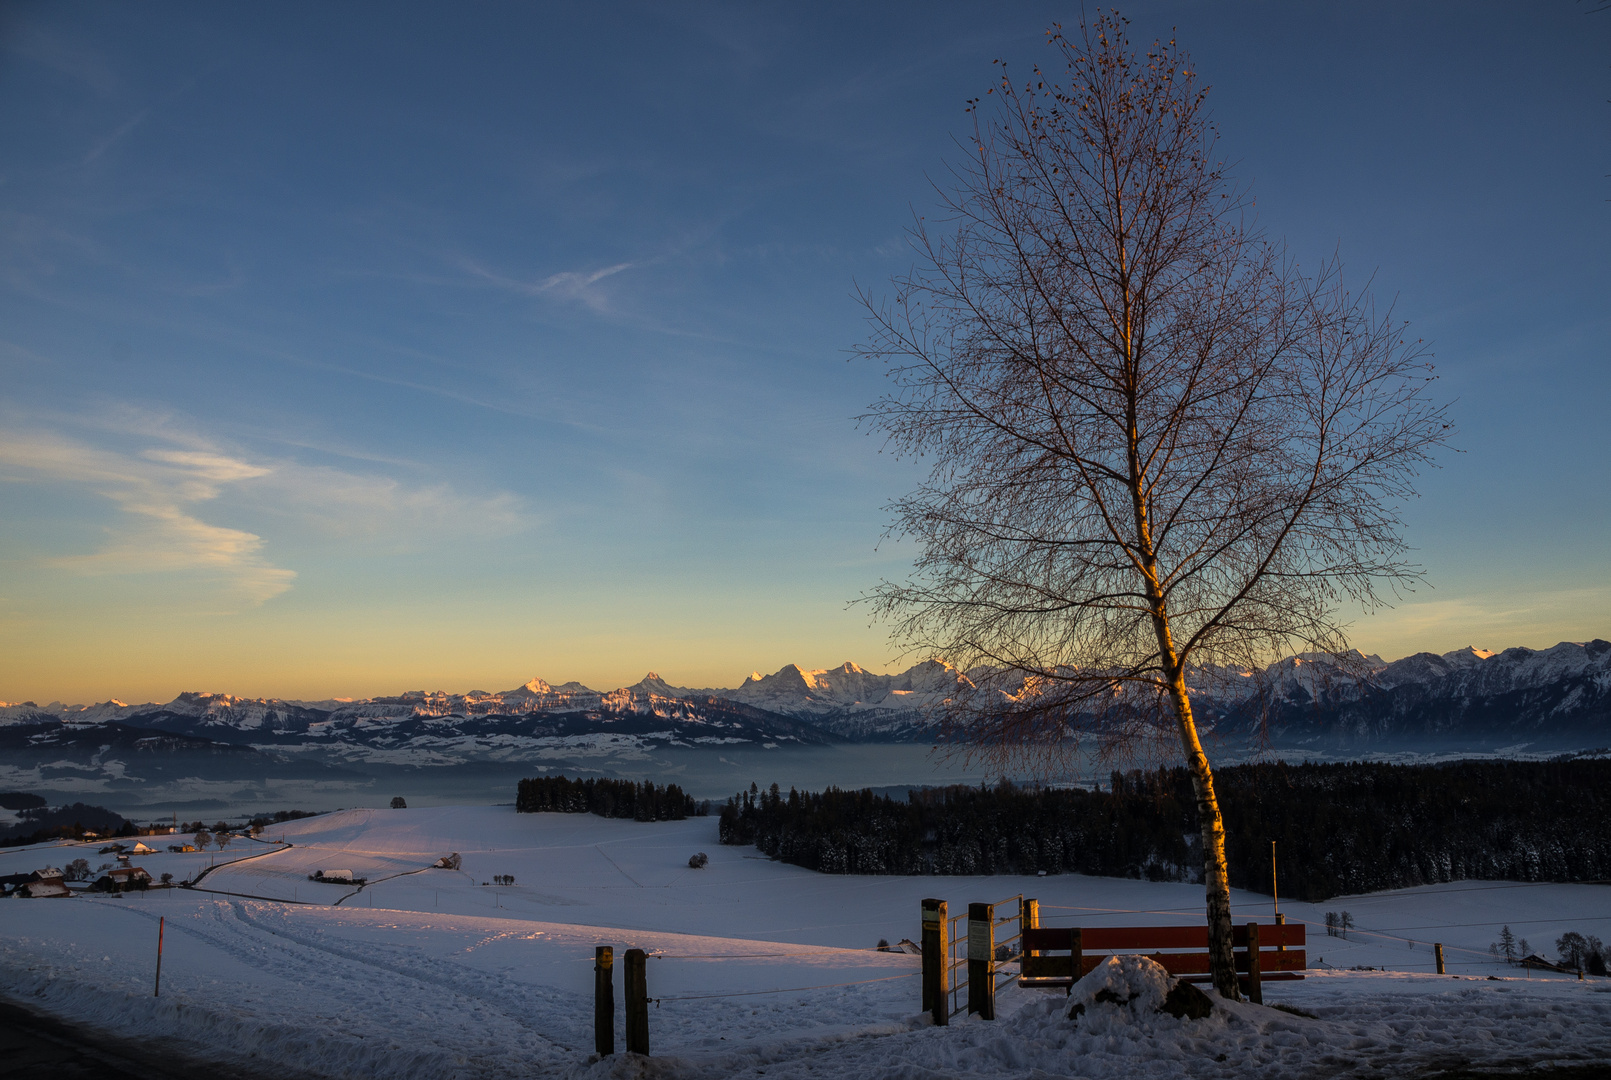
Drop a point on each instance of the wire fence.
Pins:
(785, 990)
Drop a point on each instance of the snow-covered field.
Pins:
(431, 973)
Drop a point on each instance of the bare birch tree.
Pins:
(1156, 445)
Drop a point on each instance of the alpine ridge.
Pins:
(1354, 700)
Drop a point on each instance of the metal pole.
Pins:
(161, 923)
(1275, 898)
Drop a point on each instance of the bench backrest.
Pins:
(1182, 950)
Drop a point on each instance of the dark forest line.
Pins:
(1339, 828)
(647, 801)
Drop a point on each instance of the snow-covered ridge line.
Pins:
(849, 690)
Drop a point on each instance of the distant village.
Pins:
(120, 875)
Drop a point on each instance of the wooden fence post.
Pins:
(936, 962)
(981, 955)
(1281, 940)
(1028, 919)
(637, 1003)
(1437, 953)
(604, 1000)
(1076, 955)
(1255, 985)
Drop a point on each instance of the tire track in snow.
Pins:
(372, 1000)
(493, 990)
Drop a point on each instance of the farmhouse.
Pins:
(122, 879)
(45, 883)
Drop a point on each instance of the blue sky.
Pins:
(346, 349)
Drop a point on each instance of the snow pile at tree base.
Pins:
(1130, 1008)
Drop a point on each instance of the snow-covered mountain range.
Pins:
(1560, 694)
(1517, 694)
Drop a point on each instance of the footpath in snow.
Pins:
(756, 965)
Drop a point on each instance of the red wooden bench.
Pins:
(1058, 956)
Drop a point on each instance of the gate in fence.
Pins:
(992, 935)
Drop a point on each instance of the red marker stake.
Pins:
(160, 924)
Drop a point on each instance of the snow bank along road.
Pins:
(429, 973)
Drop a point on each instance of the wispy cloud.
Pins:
(575, 285)
(156, 491)
(161, 491)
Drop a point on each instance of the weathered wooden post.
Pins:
(637, 1002)
(604, 1000)
(936, 962)
(1255, 985)
(1437, 953)
(981, 954)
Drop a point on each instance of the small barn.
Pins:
(336, 877)
(142, 849)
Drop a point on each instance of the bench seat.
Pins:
(1060, 956)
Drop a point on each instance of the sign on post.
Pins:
(981, 955)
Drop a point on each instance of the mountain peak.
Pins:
(535, 685)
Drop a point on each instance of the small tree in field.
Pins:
(1155, 444)
(203, 838)
(1505, 947)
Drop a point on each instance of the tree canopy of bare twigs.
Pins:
(1156, 444)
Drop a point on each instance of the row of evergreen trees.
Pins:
(647, 801)
(38, 823)
(1340, 829)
